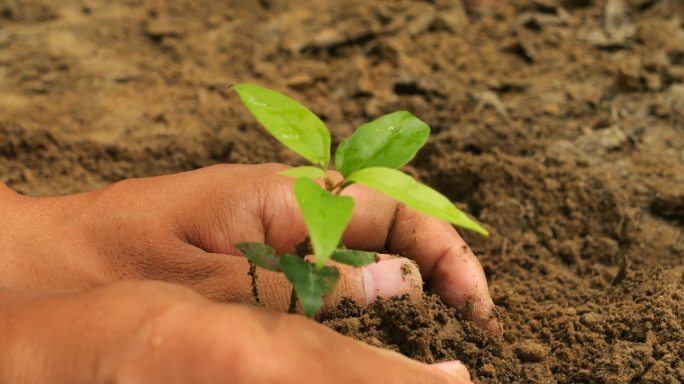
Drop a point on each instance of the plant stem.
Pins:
(335, 186)
(293, 302)
(255, 290)
(339, 187)
(301, 249)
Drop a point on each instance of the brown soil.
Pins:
(557, 123)
(430, 331)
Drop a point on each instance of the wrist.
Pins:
(42, 246)
(11, 203)
(14, 211)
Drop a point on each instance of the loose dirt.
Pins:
(557, 123)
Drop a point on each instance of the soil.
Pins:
(557, 123)
(430, 331)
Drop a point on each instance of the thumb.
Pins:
(390, 276)
(225, 278)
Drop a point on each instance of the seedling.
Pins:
(371, 156)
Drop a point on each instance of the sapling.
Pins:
(371, 156)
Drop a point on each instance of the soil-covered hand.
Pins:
(181, 228)
(151, 332)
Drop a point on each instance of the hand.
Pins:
(151, 332)
(181, 228)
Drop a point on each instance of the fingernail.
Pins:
(391, 277)
(455, 368)
(483, 316)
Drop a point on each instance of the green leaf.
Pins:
(260, 254)
(304, 171)
(326, 217)
(310, 283)
(291, 123)
(354, 258)
(389, 141)
(418, 196)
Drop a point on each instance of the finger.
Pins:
(225, 278)
(446, 262)
(455, 368)
(284, 225)
(389, 277)
(152, 332)
(63, 336)
(267, 211)
(281, 348)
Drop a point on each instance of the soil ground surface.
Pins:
(557, 123)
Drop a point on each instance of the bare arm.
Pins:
(151, 332)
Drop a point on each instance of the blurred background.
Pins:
(557, 123)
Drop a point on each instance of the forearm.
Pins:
(74, 337)
(128, 332)
(57, 338)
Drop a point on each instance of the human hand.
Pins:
(152, 332)
(181, 228)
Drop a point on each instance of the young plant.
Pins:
(371, 156)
